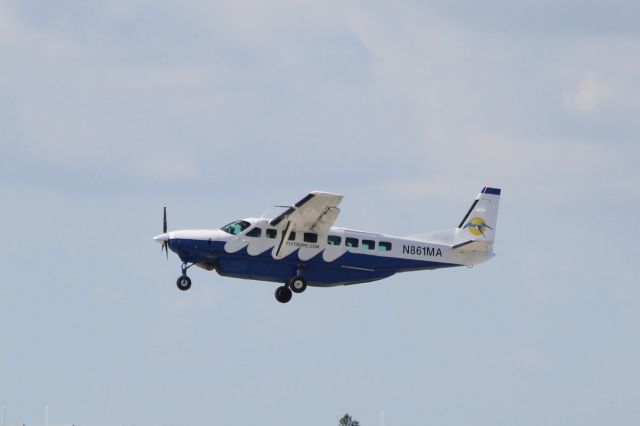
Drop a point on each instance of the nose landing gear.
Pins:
(184, 282)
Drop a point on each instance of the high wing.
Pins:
(314, 213)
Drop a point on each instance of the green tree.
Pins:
(347, 420)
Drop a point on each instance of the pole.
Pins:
(381, 417)
(46, 415)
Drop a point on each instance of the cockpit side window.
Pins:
(234, 228)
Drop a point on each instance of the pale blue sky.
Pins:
(222, 109)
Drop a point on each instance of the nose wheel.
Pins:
(184, 282)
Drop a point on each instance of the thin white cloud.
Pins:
(557, 171)
(455, 103)
(486, 118)
(600, 74)
(589, 95)
(16, 36)
(10, 30)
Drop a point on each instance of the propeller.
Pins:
(165, 243)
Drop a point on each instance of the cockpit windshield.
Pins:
(234, 228)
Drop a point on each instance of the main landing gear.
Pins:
(283, 294)
(296, 284)
(184, 282)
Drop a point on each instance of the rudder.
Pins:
(482, 217)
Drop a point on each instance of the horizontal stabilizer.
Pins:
(474, 246)
(466, 243)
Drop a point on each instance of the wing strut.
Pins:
(285, 236)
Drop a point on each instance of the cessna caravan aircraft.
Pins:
(301, 247)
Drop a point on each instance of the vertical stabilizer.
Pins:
(481, 220)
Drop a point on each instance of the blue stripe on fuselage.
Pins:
(350, 268)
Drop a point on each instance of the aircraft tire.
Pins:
(298, 284)
(184, 283)
(283, 294)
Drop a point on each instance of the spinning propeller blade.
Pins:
(164, 220)
(164, 231)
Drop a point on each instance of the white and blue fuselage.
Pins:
(301, 243)
(339, 257)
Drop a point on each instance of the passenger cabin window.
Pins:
(334, 240)
(234, 228)
(272, 233)
(351, 242)
(255, 232)
(292, 236)
(384, 246)
(368, 244)
(310, 237)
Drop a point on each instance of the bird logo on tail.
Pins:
(477, 226)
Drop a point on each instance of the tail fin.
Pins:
(477, 229)
(481, 220)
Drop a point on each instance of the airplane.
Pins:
(301, 247)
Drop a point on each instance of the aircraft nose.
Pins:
(161, 238)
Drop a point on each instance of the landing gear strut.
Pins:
(184, 282)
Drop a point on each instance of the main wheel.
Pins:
(184, 283)
(298, 284)
(283, 294)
